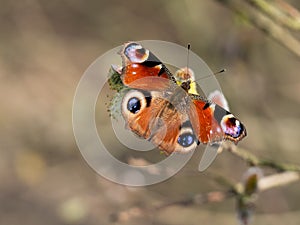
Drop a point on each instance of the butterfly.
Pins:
(167, 109)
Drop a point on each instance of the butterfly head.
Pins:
(186, 79)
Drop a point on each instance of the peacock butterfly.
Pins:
(167, 109)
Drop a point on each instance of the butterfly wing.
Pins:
(218, 98)
(139, 63)
(215, 123)
(148, 108)
(160, 118)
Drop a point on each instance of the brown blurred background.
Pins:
(45, 46)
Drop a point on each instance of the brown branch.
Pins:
(261, 21)
(199, 199)
(280, 12)
(277, 180)
(237, 191)
(255, 161)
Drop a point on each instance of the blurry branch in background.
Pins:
(281, 12)
(276, 18)
(252, 160)
(245, 192)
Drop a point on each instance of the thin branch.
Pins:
(277, 180)
(255, 161)
(200, 199)
(264, 184)
(261, 21)
(280, 11)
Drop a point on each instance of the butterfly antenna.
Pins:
(221, 71)
(215, 73)
(188, 57)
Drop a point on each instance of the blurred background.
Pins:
(45, 47)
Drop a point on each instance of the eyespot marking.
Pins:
(134, 105)
(186, 139)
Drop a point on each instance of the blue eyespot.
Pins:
(134, 105)
(235, 131)
(186, 139)
(233, 127)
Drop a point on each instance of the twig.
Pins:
(200, 199)
(255, 161)
(264, 184)
(280, 11)
(277, 180)
(265, 24)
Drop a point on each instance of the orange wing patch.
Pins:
(207, 128)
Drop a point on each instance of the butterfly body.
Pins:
(167, 111)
